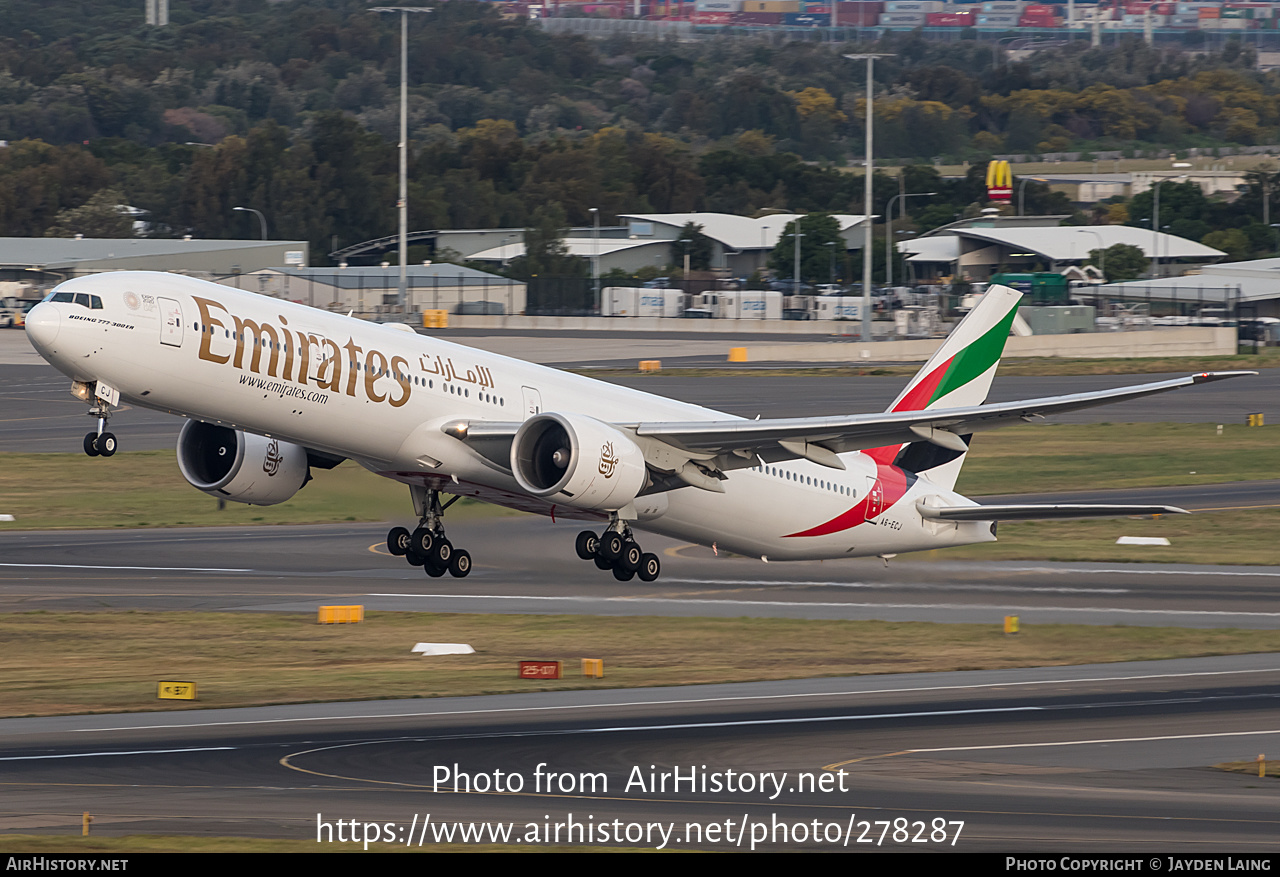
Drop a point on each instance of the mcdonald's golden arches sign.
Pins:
(999, 182)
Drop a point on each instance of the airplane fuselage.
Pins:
(383, 396)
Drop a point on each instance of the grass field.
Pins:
(83, 662)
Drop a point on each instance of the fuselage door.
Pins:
(532, 401)
(875, 498)
(170, 322)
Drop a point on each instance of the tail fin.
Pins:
(958, 375)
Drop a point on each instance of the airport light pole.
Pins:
(262, 220)
(403, 202)
(888, 233)
(1022, 191)
(595, 252)
(870, 58)
(797, 234)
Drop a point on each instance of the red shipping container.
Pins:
(815, 9)
(760, 18)
(948, 19)
(711, 18)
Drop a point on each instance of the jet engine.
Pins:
(577, 461)
(240, 466)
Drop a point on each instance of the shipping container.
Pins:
(718, 6)
(771, 6)
(921, 6)
(902, 19)
(763, 19)
(804, 19)
(948, 19)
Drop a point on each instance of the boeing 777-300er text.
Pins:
(274, 389)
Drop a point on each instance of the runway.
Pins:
(1084, 759)
(295, 569)
(1103, 758)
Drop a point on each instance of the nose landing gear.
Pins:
(427, 546)
(100, 443)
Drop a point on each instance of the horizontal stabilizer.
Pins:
(1041, 512)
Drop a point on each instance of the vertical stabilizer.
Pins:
(957, 376)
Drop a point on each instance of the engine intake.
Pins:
(240, 466)
(577, 461)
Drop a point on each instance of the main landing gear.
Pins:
(616, 549)
(100, 443)
(427, 546)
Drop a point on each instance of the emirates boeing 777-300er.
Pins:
(273, 389)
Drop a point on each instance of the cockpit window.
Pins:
(93, 302)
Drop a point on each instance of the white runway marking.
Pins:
(133, 568)
(100, 754)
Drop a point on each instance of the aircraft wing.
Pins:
(820, 438)
(1042, 512)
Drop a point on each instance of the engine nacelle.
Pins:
(240, 466)
(577, 461)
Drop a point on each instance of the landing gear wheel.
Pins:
(91, 444)
(434, 571)
(650, 567)
(611, 545)
(460, 564)
(623, 575)
(423, 540)
(414, 558)
(630, 558)
(107, 444)
(587, 545)
(441, 552)
(601, 563)
(398, 541)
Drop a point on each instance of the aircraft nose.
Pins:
(42, 327)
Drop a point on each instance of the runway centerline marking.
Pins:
(130, 752)
(108, 568)
(1099, 741)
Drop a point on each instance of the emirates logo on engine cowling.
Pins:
(608, 460)
(271, 462)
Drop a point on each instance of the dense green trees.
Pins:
(290, 107)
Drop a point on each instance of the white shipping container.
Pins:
(1003, 7)
(747, 304)
(908, 19)
(837, 307)
(915, 6)
(718, 5)
(659, 302)
(618, 301)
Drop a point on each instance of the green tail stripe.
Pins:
(975, 359)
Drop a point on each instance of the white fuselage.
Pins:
(381, 396)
